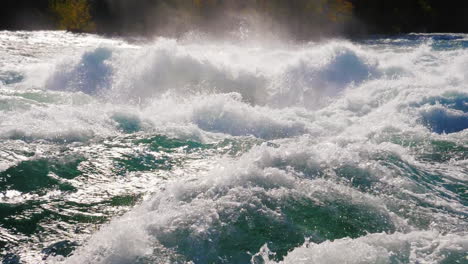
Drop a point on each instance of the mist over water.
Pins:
(203, 151)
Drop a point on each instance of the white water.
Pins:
(318, 108)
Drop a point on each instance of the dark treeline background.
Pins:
(302, 19)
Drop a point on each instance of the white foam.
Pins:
(324, 108)
(414, 247)
(200, 205)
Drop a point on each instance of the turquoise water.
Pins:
(202, 151)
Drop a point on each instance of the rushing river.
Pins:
(198, 151)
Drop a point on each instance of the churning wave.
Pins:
(178, 151)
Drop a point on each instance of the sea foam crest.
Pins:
(413, 247)
(298, 79)
(236, 201)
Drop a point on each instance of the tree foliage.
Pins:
(303, 19)
(73, 15)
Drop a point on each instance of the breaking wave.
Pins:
(179, 151)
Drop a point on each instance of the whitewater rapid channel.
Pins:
(203, 151)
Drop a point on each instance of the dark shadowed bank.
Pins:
(301, 19)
